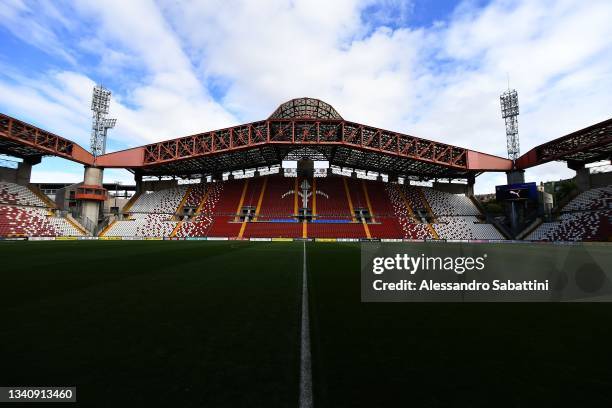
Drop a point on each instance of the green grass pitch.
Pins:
(180, 323)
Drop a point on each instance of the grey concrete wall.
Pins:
(453, 188)
(583, 179)
(20, 175)
(8, 175)
(24, 172)
(515, 176)
(158, 185)
(601, 179)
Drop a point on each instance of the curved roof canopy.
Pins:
(305, 108)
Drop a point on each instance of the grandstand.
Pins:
(232, 314)
(587, 217)
(269, 207)
(234, 184)
(25, 213)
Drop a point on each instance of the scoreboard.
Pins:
(515, 192)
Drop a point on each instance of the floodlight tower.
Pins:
(510, 112)
(91, 193)
(100, 102)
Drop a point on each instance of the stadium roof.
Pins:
(591, 144)
(20, 139)
(302, 127)
(312, 128)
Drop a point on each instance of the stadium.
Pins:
(234, 184)
(302, 203)
(224, 302)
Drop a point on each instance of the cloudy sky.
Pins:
(433, 69)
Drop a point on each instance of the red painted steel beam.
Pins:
(46, 143)
(291, 132)
(297, 132)
(601, 132)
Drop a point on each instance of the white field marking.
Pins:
(305, 358)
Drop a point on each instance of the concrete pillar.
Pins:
(471, 180)
(90, 208)
(24, 170)
(515, 176)
(138, 180)
(583, 175)
(23, 173)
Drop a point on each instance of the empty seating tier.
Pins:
(265, 207)
(587, 217)
(24, 213)
(33, 222)
(16, 194)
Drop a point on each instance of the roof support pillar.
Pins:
(583, 175)
(90, 208)
(515, 176)
(24, 170)
(471, 180)
(138, 180)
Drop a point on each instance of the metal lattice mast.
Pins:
(510, 112)
(100, 103)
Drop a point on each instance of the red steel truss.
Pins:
(301, 127)
(587, 145)
(306, 132)
(20, 139)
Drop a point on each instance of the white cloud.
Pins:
(32, 25)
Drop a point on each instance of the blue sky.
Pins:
(434, 69)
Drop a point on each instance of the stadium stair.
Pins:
(314, 197)
(348, 198)
(202, 202)
(179, 209)
(530, 228)
(42, 196)
(131, 201)
(368, 202)
(426, 204)
(241, 202)
(76, 224)
(432, 231)
(107, 228)
(406, 203)
(260, 200)
(491, 220)
(295, 196)
(352, 209)
(239, 209)
(178, 212)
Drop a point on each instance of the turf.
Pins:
(149, 323)
(449, 354)
(153, 323)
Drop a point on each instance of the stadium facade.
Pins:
(234, 186)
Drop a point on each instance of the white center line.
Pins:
(305, 358)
